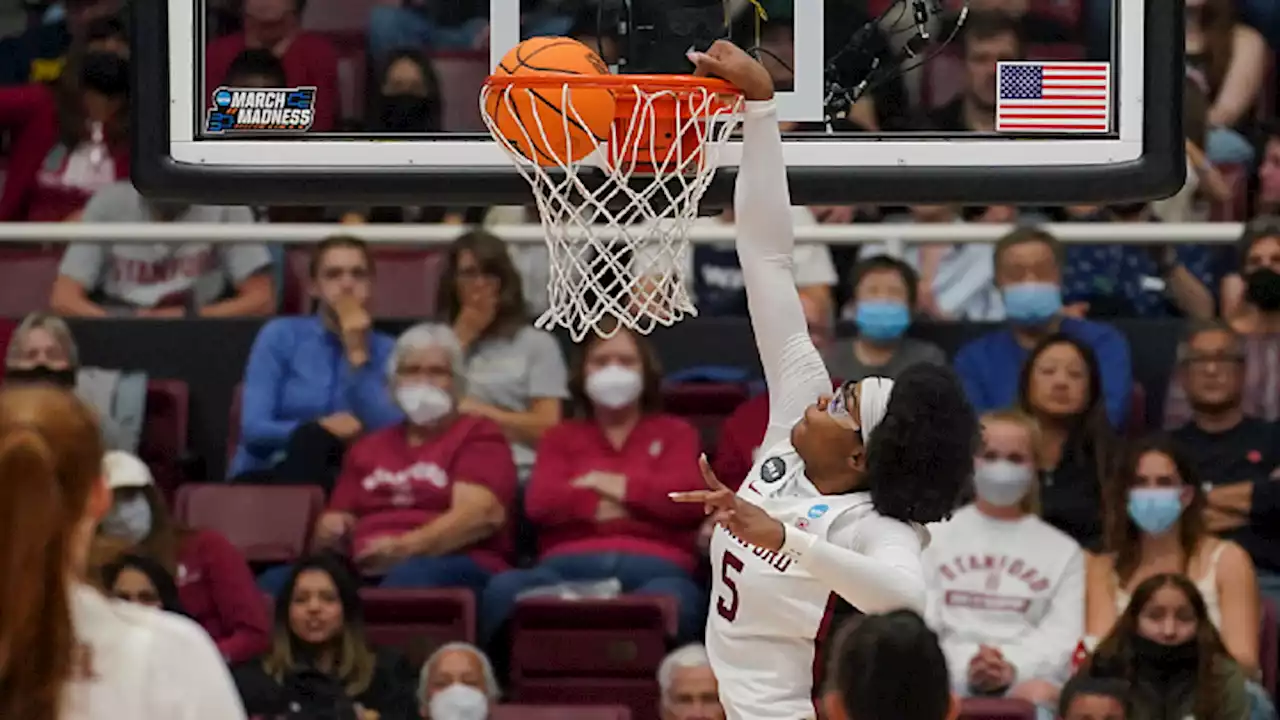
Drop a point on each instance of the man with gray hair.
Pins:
(689, 688)
(457, 683)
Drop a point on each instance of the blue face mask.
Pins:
(882, 319)
(1155, 510)
(1032, 303)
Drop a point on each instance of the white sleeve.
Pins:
(1045, 652)
(871, 561)
(793, 369)
(189, 678)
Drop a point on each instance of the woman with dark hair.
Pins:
(1165, 645)
(888, 667)
(1061, 387)
(71, 140)
(836, 502)
(599, 494)
(140, 579)
(320, 664)
(1155, 524)
(515, 373)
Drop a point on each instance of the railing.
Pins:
(440, 234)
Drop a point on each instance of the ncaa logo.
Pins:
(818, 511)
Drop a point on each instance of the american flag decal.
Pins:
(1058, 97)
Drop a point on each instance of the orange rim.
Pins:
(646, 83)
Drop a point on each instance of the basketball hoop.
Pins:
(617, 216)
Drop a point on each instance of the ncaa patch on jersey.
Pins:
(818, 511)
(773, 469)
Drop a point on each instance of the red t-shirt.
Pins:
(216, 586)
(659, 457)
(309, 60)
(392, 488)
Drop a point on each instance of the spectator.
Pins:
(987, 39)
(1154, 516)
(70, 140)
(515, 374)
(1256, 319)
(1087, 698)
(743, 431)
(308, 58)
(599, 492)
(38, 54)
(888, 667)
(424, 503)
(162, 280)
(1034, 27)
(1028, 264)
(256, 68)
(884, 303)
(688, 686)
(1267, 200)
(1231, 60)
(1235, 455)
(320, 664)
(1165, 646)
(457, 683)
(214, 581)
(1006, 589)
(1060, 387)
(453, 25)
(42, 349)
(140, 579)
(1204, 181)
(313, 384)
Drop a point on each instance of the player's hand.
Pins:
(746, 521)
(730, 62)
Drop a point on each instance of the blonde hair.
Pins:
(52, 324)
(1026, 423)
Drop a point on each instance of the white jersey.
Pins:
(143, 664)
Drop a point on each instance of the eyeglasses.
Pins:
(839, 405)
(1228, 359)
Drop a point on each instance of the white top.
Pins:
(145, 664)
(767, 608)
(1207, 584)
(1015, 585)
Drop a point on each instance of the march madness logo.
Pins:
(261, 109)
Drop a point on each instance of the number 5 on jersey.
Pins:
(727, 599)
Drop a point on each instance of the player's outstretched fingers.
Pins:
(709, 475)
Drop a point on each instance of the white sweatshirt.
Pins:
(1017, 586)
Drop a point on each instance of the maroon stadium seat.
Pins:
(559, 712)
(1269, 646)
(996, 709)
(353, 71)
(416, 622)
(706, 405)
(163, 445)
(27, 273)
(271, 524)
(577, 652)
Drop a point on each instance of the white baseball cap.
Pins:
(125, 470)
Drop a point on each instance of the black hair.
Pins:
(166, 588)
(887, 263)
(1086, 685)
(256, 62)
(429, 75)
(1255, 231)
(890, 667)
(920, 457)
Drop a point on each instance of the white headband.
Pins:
(873, 402)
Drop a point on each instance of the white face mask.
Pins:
(458, 702)
(614, 386)
(129, 520)
(424, 404)
(1002, 483)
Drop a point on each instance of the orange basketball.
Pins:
(542, 112)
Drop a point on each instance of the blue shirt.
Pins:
(990, 367)
(298, 373)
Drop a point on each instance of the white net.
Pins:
(617, 221)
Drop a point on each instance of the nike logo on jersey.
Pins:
(773, 558)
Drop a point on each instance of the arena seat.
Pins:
(560, 712)
(27, 273)
(271, 524)
(416, 622)
(1269, 646)
(706, 405)
(580, 652)
(996, 709)
(163, 445)
(353, 72)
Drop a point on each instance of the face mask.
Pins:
(458, 702)
(105, 73)
(1161, 657)
(1264, 289)
(424, 404)
(1155, 510)
(129, 520)
(614, 386)
(1032, 303)
(406, 113)
(882, 319)
(1001, 482)
(42, 374)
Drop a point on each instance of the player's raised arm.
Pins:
(793, 369)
